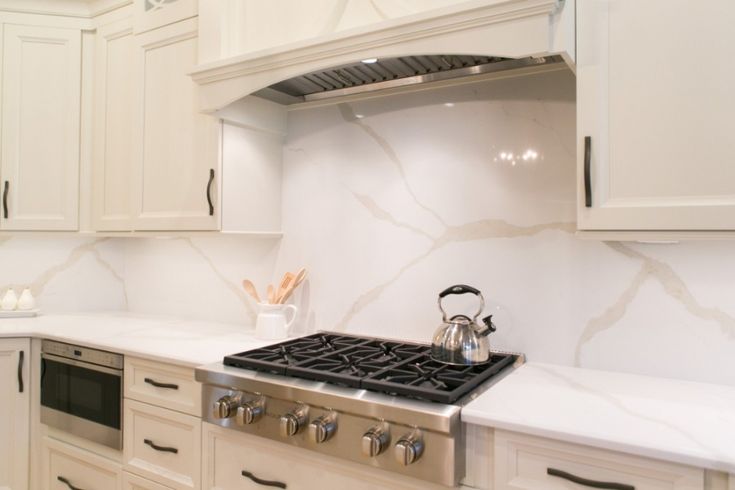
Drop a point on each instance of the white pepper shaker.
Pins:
(10, 300)
(26, 301)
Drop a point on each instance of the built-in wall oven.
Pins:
(81, 392)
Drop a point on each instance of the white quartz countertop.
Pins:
(183, 342)
(680, 421)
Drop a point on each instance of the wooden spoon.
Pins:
(250, 289)
(298, 279)
(285, 283)
(271, 294)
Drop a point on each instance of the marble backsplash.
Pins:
(389, 200)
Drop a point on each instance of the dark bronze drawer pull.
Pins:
(67, 483)
(588, 483)
(587, 172)
(209, 192)
(155, 383)
(265, 483)
(5, 199)
(163, 449)
(21, 355)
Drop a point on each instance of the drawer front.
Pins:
(532, 463)
(165, 385)
(133, 482)
(66, 466)
(229, 453)
(162, 445)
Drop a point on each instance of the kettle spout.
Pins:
(489, 326)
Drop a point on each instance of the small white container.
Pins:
(9, 301)
(26, 301)
(271, 323)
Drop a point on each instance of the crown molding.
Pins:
(83, 9)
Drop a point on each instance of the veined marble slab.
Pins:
(680, 421)
(183, 342)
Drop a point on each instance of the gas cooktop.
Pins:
(385, 366)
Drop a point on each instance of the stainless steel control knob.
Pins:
(225, 407)
(409, 448)
(375, 441)
(294, 421)
(321, 429)
(250, 411)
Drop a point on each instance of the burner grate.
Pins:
(397, 368)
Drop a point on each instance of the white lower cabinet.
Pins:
(14, 413)
(162, 445)
(233, 460)
(532, 463)
(66, 467)
(133, 482)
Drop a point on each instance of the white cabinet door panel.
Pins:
(41, 82)
(14, 413)
(655, 97)
(114, 102)
(66, 466)
(179, 148)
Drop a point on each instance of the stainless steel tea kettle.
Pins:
(460, 340)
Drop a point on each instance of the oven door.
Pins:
(82, 398)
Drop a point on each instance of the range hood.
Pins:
(469, 38)
(374, 75)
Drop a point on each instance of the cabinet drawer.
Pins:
(165, 385)
(526, 462)
(162, 445)
(63, 463)
(228, 453)
(133, 482)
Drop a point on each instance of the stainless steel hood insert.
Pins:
(381, 74)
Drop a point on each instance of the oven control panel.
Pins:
(83, 354)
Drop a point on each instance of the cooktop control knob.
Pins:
(321, 429)
(250, 411)
(294, 421)
(225, 407)
(409, 448)
(375, 441)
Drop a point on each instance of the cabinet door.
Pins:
(654, 96)
(14, 413)
(178, 147)
(41, 79)
(113, 155)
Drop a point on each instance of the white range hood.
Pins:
(500, 29)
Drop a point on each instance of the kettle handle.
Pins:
(461, 289)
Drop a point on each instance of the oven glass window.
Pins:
(82, 392)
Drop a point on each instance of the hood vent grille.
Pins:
(360, 77)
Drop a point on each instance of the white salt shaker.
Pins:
(26, 301)
(10, 300)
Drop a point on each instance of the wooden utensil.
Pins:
(249, 287)
(285, 283)
(271, 294)
(298, 279)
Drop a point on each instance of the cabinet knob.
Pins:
(375, 441)
(295, 420)
(409, 448)
(323, 428)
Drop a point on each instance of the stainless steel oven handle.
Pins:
(82, 364)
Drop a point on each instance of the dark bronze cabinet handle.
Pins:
(21, 355)
(155, 383)
(587, 172)
(5, 199)
(67, 483)
(163, 449)
(588, 483)
(209, 192)
(265, 483)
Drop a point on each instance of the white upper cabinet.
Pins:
(14, 413)
(655, 109)
(113, 127)
(176, 171)
(39, 170)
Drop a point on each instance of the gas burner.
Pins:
(396, 368)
